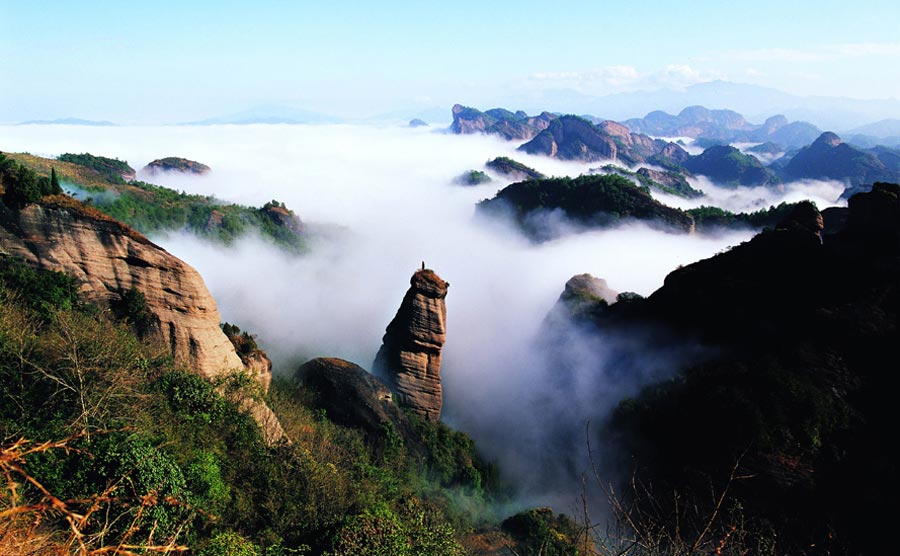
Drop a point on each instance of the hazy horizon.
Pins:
(170, 62)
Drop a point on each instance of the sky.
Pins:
(164, 62)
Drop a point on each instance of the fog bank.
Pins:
(385, 197)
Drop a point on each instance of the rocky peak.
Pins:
(410, 356)
(805, 216)
(828, 139)
(584, 295)
(774, 123)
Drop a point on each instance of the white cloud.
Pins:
(389, 189)
(615, 79)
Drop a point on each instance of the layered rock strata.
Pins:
(410, 356)
(109, 259)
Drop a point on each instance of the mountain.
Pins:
(69, 121)
(498, 121)
(889, 127)
(176, 164)
(513, 168)
(793, 396)
(544, 207)
(574, 138)
(757, 102)
(673, 183)
(730, 167)
(724, 127)
(693, 121)
(828, 157)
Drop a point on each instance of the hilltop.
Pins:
(151, 208)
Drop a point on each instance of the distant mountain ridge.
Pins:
(724, 125)
(274, 114)
(69, 121)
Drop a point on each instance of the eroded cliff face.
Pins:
(410, 356)
(109, 259)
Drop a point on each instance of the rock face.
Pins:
(724, 125)
(410, 356)
(176, 164)
(575, 138)
(351, 396)
(109, 259)
(498, 121)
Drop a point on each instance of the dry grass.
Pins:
(67, 171)
(43, 524)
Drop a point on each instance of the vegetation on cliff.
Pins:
(108, 443)
(150, 208)
(112, 170)
(20, 186)
(591, 200)
(728, 166)
(789, 414)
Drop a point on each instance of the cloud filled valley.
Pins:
(378, 201)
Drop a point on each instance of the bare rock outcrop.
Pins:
(109, 259)
(351, 396)
(410, 356)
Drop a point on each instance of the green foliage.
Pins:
(728, 166)
(592, 200)
(244, 343)
(472, 177)
(178, 453)
(508, 166)
(111, 169)
(413, 531)
(21, 185)
(451, 457)
(151, 208)
(42, 291)
(228, 543)
(541, 533)
(711, 217)
(132, 307)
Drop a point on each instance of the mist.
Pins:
(825, 193)
(379, 201)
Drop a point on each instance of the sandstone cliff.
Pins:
(410, 357)
(109, 259)
(497, 121)
(575, 138)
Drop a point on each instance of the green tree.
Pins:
(55, 188)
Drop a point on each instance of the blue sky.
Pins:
(175, 61)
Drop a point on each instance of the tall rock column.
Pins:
(410, 356)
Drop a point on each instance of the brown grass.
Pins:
(88, 212)
(25, 523)
(74, 173)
